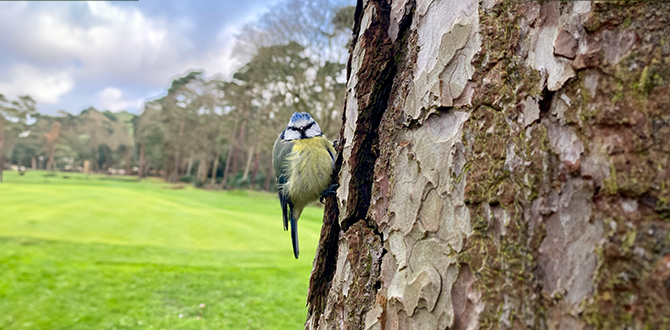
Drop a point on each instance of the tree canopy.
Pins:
(207, 130)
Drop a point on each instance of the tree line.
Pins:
(210, 132)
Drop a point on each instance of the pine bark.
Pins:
(502, 165)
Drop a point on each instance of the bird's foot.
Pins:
(331, 190)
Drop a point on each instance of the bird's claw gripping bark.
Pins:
(331, 190)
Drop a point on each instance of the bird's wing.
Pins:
(331, 149)
(280, 152)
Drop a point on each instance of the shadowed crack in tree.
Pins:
(502, 165)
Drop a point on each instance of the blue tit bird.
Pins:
(303, 161)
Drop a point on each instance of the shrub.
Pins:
(186, 178)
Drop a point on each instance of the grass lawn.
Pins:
(109, 252)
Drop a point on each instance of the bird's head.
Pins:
(301, 126)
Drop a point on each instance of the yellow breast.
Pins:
(310, 169)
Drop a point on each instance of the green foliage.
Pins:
(102, 254)
(186, 178)
(344, 18)
(81, 138)
(13, 121)
(298, 66)
(260, 179)
(110, 115)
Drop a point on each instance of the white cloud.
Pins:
(43, 86)
(93, 45)
(115, 42)
(112, 99)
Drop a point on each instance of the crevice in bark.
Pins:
(325, 260)
(376, 83)
(545, 102)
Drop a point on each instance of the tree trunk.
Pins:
(202, 169)
(142, 163)
(167, 170)
(189, 168)
(50, 160)
(268, 177)
(237, 150)
(2, 165)
(175, 175)
(87, 168)
(229, 156)
(226, 170)
(33, 163)
(257, 163)
(52, 138)
(503, 165)
(248, 166)
(127, 160)
(215, 167)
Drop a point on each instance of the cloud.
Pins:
(106, 41)
(112, 99)
(65, 53)
(43, 86)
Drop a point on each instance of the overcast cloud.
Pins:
(114, 55)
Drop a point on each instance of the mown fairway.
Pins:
(113, 253)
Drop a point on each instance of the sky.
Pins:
(114, 55)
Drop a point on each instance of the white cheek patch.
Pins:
(290, 134)
(313, 131)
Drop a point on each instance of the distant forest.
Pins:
(206, 131)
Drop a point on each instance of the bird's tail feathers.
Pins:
(294, 236)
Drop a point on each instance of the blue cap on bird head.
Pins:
(301, 126)
(300, 116)
(300, 120)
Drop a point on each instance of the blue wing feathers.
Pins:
(332, 156)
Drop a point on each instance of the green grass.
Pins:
(114, 253)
